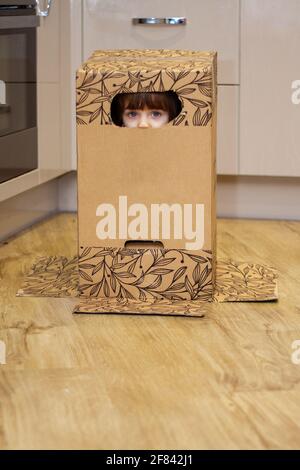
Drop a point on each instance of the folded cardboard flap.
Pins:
(158, 184)
(57, 276)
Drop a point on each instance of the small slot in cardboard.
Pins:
(144, 244)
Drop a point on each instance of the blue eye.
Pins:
(132, 114)
(156, 114)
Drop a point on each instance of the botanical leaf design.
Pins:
(126, 275)
(142, 295)
(179, 272)
(171, 74)
(185, 91)
(204, 275)
(164, 262)
(113, 283)
(84, 113)
(140, 280)
(57, 276)
(86, 251)
(198, 103)
(95, 289)
(182, 74)
(106, 288)
(118, 75)
(197, 273)
(96, 268)
(155, 284)
(205, 90)
(126, 294)
(199, 259)
(132, 266)
(81, 98)
(161, 279)
(100, 99)
(80, 121)
(189, 287)
(85, 276)
(205, 118)
(176, 287)
(197, 117)
(179, 119)
(87, 266)
(244, 281)
(99, 81)
(161, 271)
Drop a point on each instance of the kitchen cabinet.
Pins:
(58, 37)
(258, 76)
(58, 56)
(269, 109)
(212, 25)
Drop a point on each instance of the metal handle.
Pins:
(172, 21)
(44, 12)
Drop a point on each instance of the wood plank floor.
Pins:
(147, 382)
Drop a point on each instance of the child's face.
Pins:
(145, 117)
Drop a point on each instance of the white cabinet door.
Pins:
(48, 94)
(211, 25)
(270, 66)
(57, 47)
(227, 130)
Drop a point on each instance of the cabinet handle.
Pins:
(40, 11)
(172, 21)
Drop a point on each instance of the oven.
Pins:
(18, 88)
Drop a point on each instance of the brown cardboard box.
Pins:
(147, 184)
(130, 170)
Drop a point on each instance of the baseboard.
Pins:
(258, 197)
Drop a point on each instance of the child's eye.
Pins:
(131, 114)
(156, 114)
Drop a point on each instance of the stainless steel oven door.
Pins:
(18, 106)
(16, 2)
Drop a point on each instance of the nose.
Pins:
(143, 122)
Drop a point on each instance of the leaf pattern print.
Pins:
(189, 73)
(57, 276)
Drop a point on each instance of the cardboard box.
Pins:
(147, 184)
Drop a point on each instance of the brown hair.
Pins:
(166, 101)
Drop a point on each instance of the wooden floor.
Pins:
(149, 382)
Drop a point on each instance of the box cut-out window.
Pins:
(145, 109)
